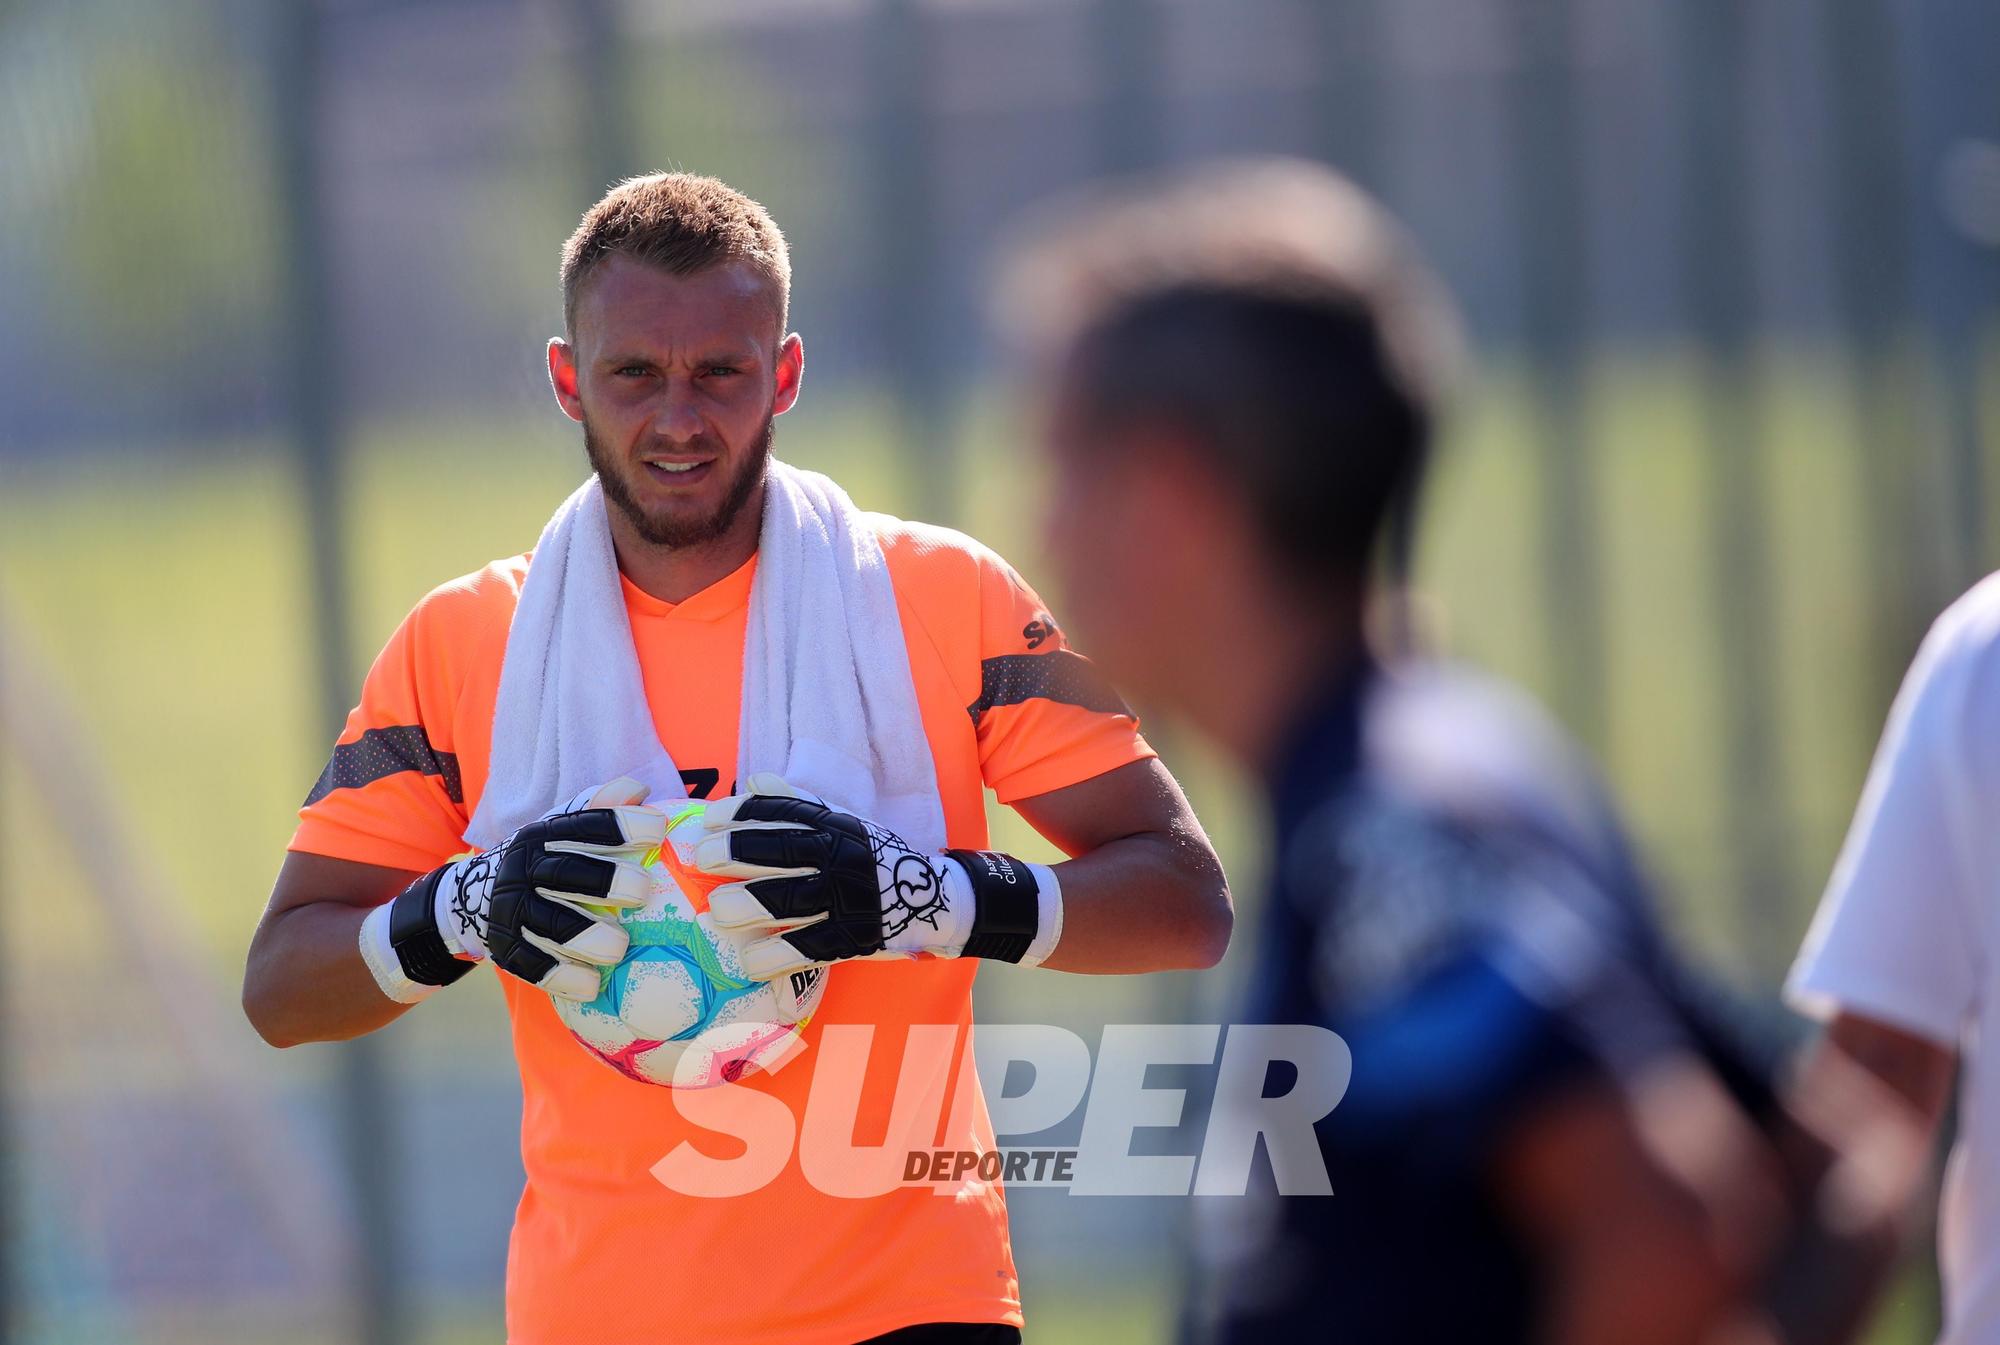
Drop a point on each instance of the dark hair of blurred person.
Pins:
(1549, 1134)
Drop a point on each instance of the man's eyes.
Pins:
(645, 370)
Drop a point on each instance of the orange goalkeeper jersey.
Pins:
(1006, 705)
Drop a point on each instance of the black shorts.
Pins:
(951, 1333)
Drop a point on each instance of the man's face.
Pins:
(676, 380)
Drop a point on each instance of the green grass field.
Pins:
(165, 591)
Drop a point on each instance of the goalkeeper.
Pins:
(675, 361)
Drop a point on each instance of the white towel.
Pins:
(828, 701)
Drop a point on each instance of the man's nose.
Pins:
(675, 418)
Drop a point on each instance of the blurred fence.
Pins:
(276, 279)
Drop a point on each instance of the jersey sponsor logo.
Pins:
(1040, 631)
(701, 782)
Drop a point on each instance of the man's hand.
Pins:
(526, 903)
(816, 884)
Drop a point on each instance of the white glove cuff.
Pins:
(1002, 871)
(1048, 928)
(384, 965)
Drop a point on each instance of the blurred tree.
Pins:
(162, 231)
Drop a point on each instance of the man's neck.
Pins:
(676, 573)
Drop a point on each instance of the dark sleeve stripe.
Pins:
(1060, 675)
(381, 752)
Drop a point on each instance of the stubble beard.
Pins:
(677, 533)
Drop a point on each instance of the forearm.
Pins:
(345, 947)
(306, 980)
(1151, 902)
(1822, 1285)
(1855, 1135)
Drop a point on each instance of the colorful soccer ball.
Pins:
(678, 1010)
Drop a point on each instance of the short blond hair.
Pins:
(682, 223)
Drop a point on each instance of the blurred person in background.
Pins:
(1546, 1136)
(1900, 957)
(675, 361)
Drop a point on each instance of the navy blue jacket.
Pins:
(1452, 896)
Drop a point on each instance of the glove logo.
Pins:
(472, 886)
(909, 884)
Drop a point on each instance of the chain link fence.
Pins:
(277, 278)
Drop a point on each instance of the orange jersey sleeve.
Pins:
(1046, 718)
(1042, 716)
(393, 791)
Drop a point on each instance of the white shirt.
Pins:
(1909, 929)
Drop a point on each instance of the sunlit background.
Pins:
(275, 277)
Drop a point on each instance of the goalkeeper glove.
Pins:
(815, 884)
(524, 903)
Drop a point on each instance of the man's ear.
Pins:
(791, 372)
(562, 377)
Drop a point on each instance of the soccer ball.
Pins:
(678, 1010)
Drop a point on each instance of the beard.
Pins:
(678, 532)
